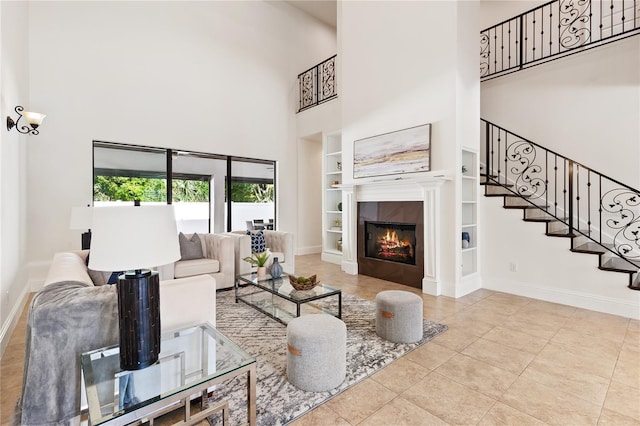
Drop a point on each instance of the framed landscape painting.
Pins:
(404, 151)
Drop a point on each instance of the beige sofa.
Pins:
(218, 262)
(279, 244)
(71, 315)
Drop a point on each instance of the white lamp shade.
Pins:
(81, 218)
(133, 237)
(33, 117)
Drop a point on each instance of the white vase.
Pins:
(262, 271)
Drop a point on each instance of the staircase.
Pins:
(599, 215)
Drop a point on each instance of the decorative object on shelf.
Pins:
(404, 151)
(337, 223)
(339, 166)
(259, 260)
(339, 244)
(303, 283)
(335, 182)
(466, 240)
(340, 206)
(33, 118)
(464, 169)
(128, 238)
(276, 269)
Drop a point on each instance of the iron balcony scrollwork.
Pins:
(553, 30)
(520, 157)
(575, 17)
(623, 205)
(318, 84)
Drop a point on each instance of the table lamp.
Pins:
(129, 239)
(81, 220)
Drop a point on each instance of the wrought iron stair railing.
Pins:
(553, 30)
(318, 84)
(574, 200)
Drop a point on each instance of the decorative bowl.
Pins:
(307, 285)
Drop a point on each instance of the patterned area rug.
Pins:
(278, 402)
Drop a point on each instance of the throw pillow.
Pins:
(190, 248)
(258, 242)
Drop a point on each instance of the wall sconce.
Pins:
(33, 118)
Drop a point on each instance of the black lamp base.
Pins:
(86, 240)
(139, 315)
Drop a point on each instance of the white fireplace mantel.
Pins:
(422, 188)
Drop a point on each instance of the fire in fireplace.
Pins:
(391, 241)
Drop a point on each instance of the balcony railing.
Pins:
(553, 30)
(318, 84)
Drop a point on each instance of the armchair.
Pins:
(218, 261)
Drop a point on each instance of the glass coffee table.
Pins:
(274, 297)
(191, 361)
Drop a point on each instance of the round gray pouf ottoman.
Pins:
(316, 352)
(399, 316)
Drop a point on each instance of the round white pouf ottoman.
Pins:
(316, 352)
(399, 316)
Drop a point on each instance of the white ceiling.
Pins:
(324, 10)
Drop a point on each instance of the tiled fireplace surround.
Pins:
(426, 190)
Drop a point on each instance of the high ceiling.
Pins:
(324, 10)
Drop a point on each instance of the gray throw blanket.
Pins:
(65, 320)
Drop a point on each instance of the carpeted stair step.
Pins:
(563, 233)
(497, 190)
(618, 265)
(491, 181)
(520, 202)
(537, 215)
(590, 248)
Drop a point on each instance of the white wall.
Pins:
(309, 235)
(493, 12)
(401, 68)
(14, 91)
(216, 77)
(586, 107)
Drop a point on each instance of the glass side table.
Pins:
(191, 361)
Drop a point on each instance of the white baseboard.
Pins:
(301, 251)
(468, 285)
(349, 267)
(626, 308)
(12, 320)
(431, 287)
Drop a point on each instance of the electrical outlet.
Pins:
(513, 267)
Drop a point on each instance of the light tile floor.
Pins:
(505, 360)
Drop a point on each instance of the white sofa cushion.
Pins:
(187, 301)
(189, 268)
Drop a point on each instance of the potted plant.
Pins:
(259, 260)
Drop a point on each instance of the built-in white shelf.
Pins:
(469, 185)
(332, 196)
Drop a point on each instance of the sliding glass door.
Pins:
(198, 184)
(198, 191)
(252, 188)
